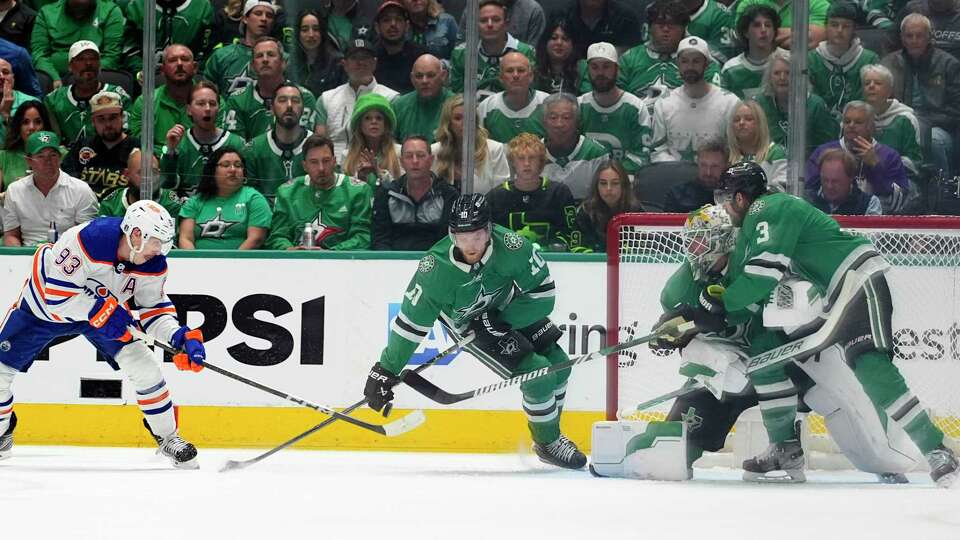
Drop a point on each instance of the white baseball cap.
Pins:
(80, 46)
(250, 4)
(602, 50)
(693, 43)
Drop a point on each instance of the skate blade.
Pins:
(191, 465)
(795, 476)
(893, 478)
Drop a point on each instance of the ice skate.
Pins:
(943, 466)
(6, 440)
(181, 453)
(781, 462)
(892, 478)
(562, 453)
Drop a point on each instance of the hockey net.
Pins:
(645, 249)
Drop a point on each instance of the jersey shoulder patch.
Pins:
(756, 207)
(427, 264)
(512, 241)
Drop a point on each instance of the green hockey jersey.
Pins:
(229, 68)
(182, 167)
(624, 128)
(271, 163)
(417, 116)
(511, 278)
(222, 222)
(898, 127)
(115, 204)
(546, 216)
(577, 168)
(650, 75)
(818, 10)
(488, 68)
(54, 31)
(742, 76)
(166, 114)
(72, 115)
(821, 125)
(503, 123)
(715, 24)
(248, 114)
(190, 24)
(837, 79)
(340, 216)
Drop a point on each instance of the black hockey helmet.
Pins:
(744, 177)
(470, 212)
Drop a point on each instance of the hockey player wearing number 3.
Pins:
(781, 234)
(81, 285)
(487, 280)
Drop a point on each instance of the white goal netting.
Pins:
(924, 282)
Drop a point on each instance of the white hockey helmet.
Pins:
(153, 221)
(708, 234)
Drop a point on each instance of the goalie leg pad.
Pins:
(153, 397)
(708, 419)
(654, 451)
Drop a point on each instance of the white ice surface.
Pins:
(94, 493)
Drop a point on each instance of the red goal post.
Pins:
(643, 250)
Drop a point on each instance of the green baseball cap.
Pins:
(40, 140)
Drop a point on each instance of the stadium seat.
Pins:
(652, 182)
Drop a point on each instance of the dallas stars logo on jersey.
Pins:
(483, 300)
(217, 227)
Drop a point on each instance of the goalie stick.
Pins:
(392, 429)
(231, 465)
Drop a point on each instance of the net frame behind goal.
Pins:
(919, 228)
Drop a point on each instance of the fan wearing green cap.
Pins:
(373, 153)
(46, 201)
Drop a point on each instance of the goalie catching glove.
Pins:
(191, 343)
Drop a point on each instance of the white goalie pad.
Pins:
(794, 303)
(640, 450)
(717, 364)
(870, 444)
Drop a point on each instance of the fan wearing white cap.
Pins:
(70, 105)
(613, 117)
(61, 25)
(229, 66)
(693, 113)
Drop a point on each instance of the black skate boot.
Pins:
(562, 453)
(782, 462)
(181, 453)
(944, 468)
(6, 440)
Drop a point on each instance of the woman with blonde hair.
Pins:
(610, 194)
(490, 159)
(431, 27)
(748, 139)
(372, 154)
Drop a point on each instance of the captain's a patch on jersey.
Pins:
(437, 340)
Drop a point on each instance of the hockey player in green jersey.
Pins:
(782, 235)
(116, 203)
(247, 112)
(187, 149)
(276, 156)
(490, 281)
(835, 64)
(323, 209)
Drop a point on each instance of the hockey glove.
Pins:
(710, 315)
(669, 337)
(502, 344)
(191, 343)
(111, 319)
(379, 387)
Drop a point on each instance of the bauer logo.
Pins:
(437, 340)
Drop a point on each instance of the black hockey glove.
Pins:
(671, 340)
(542, 334)
(710, 315)
(503, 344)
(379, 387)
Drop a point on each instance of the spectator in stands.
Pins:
(395, 52)
(431, 27)
(692, 113)
(838, 192)
(115, 204)
(17, 23)
(518, 108)
(276, 156)
(928, 80)
(539, 209)
(822, 126)
(571, 158)
(748, 139)
(714, 23)
(711, 162)
(346, 16)
(372, 154)
(411, 213)
(880, 170)
(616, 119)
(178, 21)
(336, 208)
(47, 201)
(490, 160)
(21, 63)
(169, 99)
(896, 124)
(229, 66)
(60, 25)
(836, 62)
(247, 112)
(224, 213)
(817, 19)
(188, 149)
(944, 17)
(559, 67)
(69, 105)
(757, 29)
(10, 98)
(336, 106)
(30, 118)
(227, 21)
(100, 159)
(526, 18)
(495, 42)
(610, 194)
(650, 70)
(611, 21)
(315, 61)
(418, 112)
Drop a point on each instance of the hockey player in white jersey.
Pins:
(83, 285)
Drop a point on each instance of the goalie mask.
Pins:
(153, 221)
(708, 234)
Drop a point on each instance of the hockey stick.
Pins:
(435, 393)
(689, 386)
(392, 429)
(231, 465)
